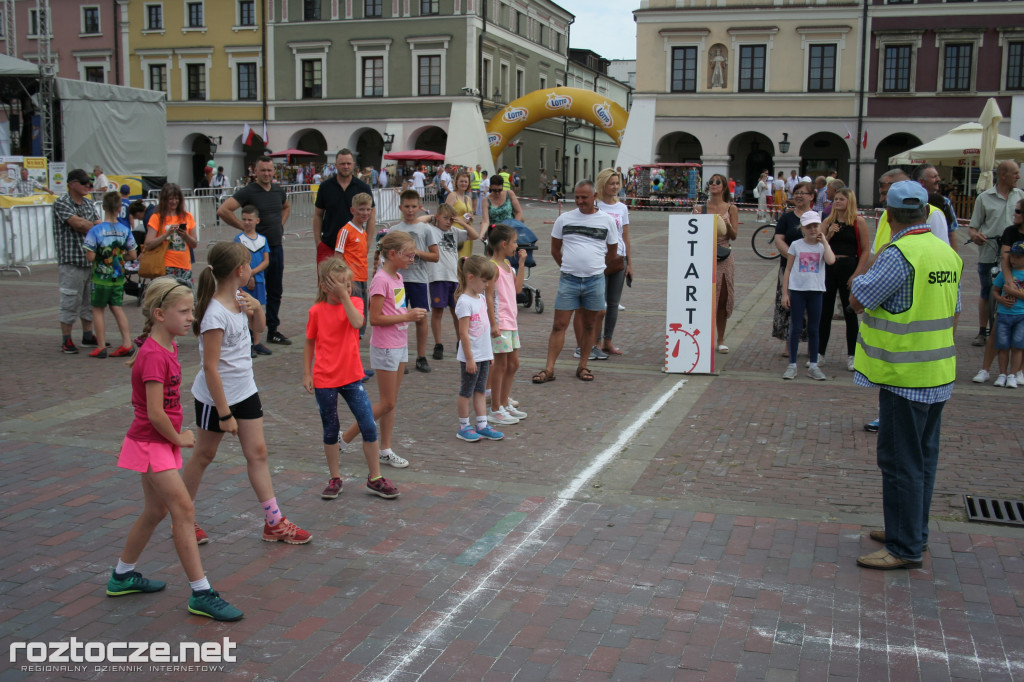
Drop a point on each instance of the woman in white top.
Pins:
(763, 191)
(607, 186)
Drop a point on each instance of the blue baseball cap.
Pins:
(907, 194)
(125, 189)
(1017, 249)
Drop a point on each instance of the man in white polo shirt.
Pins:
(582, 241)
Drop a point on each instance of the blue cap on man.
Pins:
(906, 194)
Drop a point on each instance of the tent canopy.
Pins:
(961, 146)
(11, 66)
(415, 155)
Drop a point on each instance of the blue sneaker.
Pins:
(130, 583)
(487, 432)
(208, 603)
(872, 426)
(468, 434)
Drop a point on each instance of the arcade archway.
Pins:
(751, 153)
(679, 147)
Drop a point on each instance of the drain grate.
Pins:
(992, 510)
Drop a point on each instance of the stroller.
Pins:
(527, 240)
(133, 284)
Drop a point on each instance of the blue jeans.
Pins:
(274, 277)
(908, 455)
(358, 402)
(580, 292)
(800, 301)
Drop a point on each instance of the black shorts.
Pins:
(208, 420)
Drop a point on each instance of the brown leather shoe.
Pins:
(879, 536)
(883, 561)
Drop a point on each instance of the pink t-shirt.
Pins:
(155, 363)
(393, 291)
(505, 308)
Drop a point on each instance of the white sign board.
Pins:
(689, 313)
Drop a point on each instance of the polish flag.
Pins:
(266, 140)
(849, 135)
(248, 134)
(864, 142)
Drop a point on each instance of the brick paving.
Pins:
(719, 544)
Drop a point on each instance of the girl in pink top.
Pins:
(502, 311)
(389, 337)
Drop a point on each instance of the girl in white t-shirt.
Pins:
(390, 316)
(803, 286)
(224, 390)
(475, 352)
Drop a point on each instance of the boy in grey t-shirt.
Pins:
(417, 288)
(444, 274)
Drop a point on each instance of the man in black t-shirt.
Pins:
(334, 205)
(272, 202)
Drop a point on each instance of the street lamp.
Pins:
(784, 143)
(215, 141)
(389, 138)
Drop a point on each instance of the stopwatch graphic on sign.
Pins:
(683, 346)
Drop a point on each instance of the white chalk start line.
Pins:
(507, 553)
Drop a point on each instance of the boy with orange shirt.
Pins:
(353, 245)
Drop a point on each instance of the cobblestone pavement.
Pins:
(718, 543)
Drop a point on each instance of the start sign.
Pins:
(690, 309)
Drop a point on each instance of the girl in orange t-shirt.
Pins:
(174, 225)
(332, 336)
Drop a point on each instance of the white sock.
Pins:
(123, 568)
(481, 422)
(463, 422)
(813, 365)
(200, 585)
(487, 393)
(385, 452)
(792, 364)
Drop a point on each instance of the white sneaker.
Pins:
(511, 411)
(849, 363)
(1020, 377)
(981, 377)
(816, 374)
(499, 416)
(1011, 381)
(622, 307)
(389, 457)
(790, 373)
(513, 402)
(1001, 381)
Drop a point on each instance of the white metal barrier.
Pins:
(26, 232)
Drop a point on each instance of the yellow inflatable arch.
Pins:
(541, 104)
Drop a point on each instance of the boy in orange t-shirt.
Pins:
(353, 245)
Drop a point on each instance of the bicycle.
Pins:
(763, 242)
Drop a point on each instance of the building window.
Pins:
(1015, 66)
(519, 156)
(821, 73)
(194, 11)
(956, 71)
(519, 23)
(543, 82)
(94, 74)
(684, 69)
(542, 35)
(520, 83)
(37, 22)
(429, 7)
(91, 20)
(752, 68)
(154, 17)
(373, 76)
(373, 8)
(896, 77)
(502, 87)
(246, 12)
(247, 80)
(158, 77)
(311, 10)
(312, 79)
(543, 156)
(429, 69)
(485, 79)
(196, 82)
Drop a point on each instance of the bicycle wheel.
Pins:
(763, 242)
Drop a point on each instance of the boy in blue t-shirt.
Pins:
(259, 260)
(1010, 319)
(107, 246)
(123, 216)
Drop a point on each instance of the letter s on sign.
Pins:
(693, 226)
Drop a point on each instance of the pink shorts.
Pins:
(144, 456)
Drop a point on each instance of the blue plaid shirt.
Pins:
(889, 284)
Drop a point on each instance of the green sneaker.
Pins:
(208, 603)
(130, 583)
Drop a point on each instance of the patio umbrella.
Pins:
(415, 155)
(961, 146)
(990, 118)
(288, 153)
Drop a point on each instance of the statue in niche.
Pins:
(718, 61)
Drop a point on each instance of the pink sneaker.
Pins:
(332, 490)
(286, 531)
